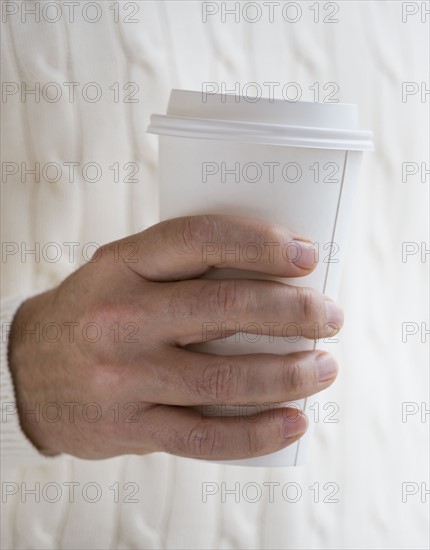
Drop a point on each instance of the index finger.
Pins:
(187, 247)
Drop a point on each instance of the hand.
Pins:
(110, 373)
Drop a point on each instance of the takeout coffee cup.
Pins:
(290, 163)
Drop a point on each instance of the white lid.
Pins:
(262, 120)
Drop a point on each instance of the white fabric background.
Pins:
(370, 451)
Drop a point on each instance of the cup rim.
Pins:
(272, 122)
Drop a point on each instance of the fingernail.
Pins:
(326, 367)
(294, 425)
(333, 313)
(303, 254)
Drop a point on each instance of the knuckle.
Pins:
(219, 382)
(292, 376)
(308, 303)
(254, 443)
(103, 253)
(194, 232)
(101, 313)
(201, 441)
(104, 313)
(100, 252)
(228, 297)
(105, 378)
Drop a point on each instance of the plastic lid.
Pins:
(262, 120)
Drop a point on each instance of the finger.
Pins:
(187, 247)
(188, 378)
(204, 310)
(185, 432)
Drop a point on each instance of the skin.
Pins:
(145, 303)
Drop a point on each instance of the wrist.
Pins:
(25, 355)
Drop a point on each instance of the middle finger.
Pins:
(202, 310)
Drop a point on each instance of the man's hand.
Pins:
(108, 369)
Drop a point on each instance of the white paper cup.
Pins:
(293, 164)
